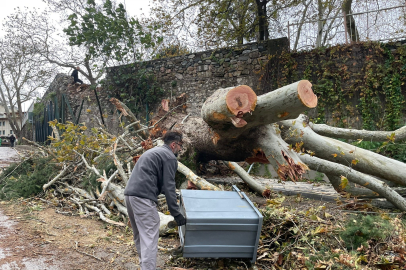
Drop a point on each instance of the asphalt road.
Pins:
(7, 156)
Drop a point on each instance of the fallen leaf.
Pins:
(344, 182)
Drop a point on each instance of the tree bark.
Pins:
(254, 185)
(298, 131)
(198, 181)
(360, 192)
(356, 134)
(351, 27)
(356, 177)
(216, 138)
(262, 19)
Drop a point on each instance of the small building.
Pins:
(5, 127)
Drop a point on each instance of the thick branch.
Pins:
(355, 134)
(127, 112)
(198, 181)
(61, 173)
(356, 177)
(360, 192)
(103, 193)
(297, 131)
(284, 103)
(254, 185)
(285, 161)
(119, 166)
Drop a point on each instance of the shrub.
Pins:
(359, 229)
(27, 178)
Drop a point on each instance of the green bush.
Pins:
(389, 149)
(359, 229)
(27, 178)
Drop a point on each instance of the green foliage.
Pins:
(74, 140)
(172, 51)
(361, 228)
(390, 149)
(27, 178)
(106, 30)
(38, 108)
(135, 86)
(350, 81)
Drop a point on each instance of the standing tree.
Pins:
(95, 35)
(208, 23)
(350, 22)
(22, 71)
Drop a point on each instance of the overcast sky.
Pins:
(134, 7)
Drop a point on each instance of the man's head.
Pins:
(78, 68)
(174, 140)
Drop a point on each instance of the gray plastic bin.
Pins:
(220, 224)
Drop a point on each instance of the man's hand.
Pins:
(180, 220)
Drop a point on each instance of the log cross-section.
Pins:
(228, 105)
(232, 111)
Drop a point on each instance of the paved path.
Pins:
(10, 259)
(323, 192)
(7, 156)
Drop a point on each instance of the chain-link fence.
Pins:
(385, 24)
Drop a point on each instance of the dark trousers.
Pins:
(75, 80)
(12, 144)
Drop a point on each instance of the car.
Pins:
(5, 141)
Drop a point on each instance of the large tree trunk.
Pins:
(262, 19)
(235, 126)
(350, 22)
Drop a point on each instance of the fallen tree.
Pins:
(235, 125)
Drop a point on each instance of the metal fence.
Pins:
(386, 24)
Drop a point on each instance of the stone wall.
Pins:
(77, 94)
(200, 74)
(262, 66)
(338, 72)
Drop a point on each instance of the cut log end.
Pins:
(241, 100)
(306, 95)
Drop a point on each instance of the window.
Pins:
(11, 131)
(0, 123)
(4, 132)
(4, 123)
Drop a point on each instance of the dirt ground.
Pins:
(34, 236)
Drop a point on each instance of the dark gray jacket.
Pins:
(153, 174)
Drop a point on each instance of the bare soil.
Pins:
(34, 236)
